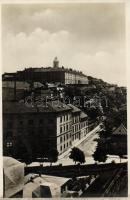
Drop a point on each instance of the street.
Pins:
(88, 146)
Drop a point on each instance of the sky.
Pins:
(89, 37)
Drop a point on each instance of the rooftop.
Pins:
(121, 130)
(83, 115)
(16, 107)
(13, 176)
(48, 69)
(74, 108)
(53, 182)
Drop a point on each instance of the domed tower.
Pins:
(55, 62)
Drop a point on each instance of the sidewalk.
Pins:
(97, 128)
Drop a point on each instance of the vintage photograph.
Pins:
(64, 100)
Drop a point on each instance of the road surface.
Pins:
(88, 146)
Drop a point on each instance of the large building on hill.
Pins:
(32, 130)
(53, 74)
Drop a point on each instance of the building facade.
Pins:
(79, 124)
(64, 132)
(83, 124)
(75, 123)
(33, 131)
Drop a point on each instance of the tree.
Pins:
(93, 112)
(99, 156)
(77, 155)
(100, 153)
(53, 155)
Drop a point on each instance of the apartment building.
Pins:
(34, 130)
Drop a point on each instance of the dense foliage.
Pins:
(77, 155)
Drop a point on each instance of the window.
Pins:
(64, 117)
(70, 126)
(78, 118)
(40, 121)
(9, 144)
(67, 127)
(51, 120)
(61, 148)
(30, 122)
(67, 144)
(64, 146)
(61, 129)
(74, 120)
(31, 133)
(9, 134)
(60, 139)
(73, 129)
(67, 136)
(21, 122)
(40, 132)
(64, 137)
(60, 119)
(10, 124)
(64, 127)
(67, 117)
